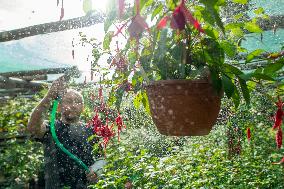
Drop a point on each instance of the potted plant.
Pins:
(173, 59)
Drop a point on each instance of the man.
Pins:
(60, 169)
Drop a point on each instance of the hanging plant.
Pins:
(181, 52)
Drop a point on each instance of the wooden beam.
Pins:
(35, 72)
(9, 83)
(34, 77)
(18, 91)
(273, 23)
(51, 27)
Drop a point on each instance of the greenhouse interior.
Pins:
(175, 94)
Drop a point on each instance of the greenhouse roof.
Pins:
(53, 50)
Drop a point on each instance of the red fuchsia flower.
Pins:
(279, 137)
(121, 7)
(125, 86)
(138, 24)
(118, 60)
(106, 132)
(62, 12)
(163, 22)
(85, 80)
(248, 134)
(92, 96)
(95, 122)
(281, 162)
(179, 18)
(73, 53)
(279, 114)
(119, 123)
(119, 29)
(100, 93)
(92, 75)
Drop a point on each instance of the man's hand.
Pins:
(92, 177)
(58, 87)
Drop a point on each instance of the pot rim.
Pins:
(178, 81)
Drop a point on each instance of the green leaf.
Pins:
(238, 16)
(232, 69)
(273, 67)
(211, 9)
(221, 3)
(246, 76)
(263, 76)
(237, 32)
(118, 94)
(229, 48)
(235, 25)
(252, 27)
(107, 40)
(157, 11)
(228, 86)
(260, 10)
(111, 14)
(87, 6)
(253, 54)
(145, 102)
(245, 90)
(240, 1)
(170, 4)
(216, 81)
(236, 97)
(137, 100)
(251, 85)
(211, 32)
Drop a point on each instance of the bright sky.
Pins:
(54, 47)
(21, 13)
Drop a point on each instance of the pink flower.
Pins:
(179, 18)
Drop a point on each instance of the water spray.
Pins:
(72, 72)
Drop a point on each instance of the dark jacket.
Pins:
(60, 169)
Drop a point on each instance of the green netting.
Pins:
(15, 57)
(270, 42)
(21, 55)
(273, 8)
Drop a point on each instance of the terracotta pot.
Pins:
(183, 107)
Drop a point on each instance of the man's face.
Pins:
(71, 106)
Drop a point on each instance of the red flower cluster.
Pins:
(119, 123)
(106, 130)
(277, 122)
(248, 134)
(179, 18)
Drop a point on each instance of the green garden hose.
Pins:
(58, 143)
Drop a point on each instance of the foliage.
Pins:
(21, 159)
(149, 160)
(182, 41)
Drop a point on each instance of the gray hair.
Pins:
(76, 93)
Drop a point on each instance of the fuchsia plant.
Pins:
(104, 128)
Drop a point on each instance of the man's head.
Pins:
(71, 106)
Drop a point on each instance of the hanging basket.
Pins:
(183, 107)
